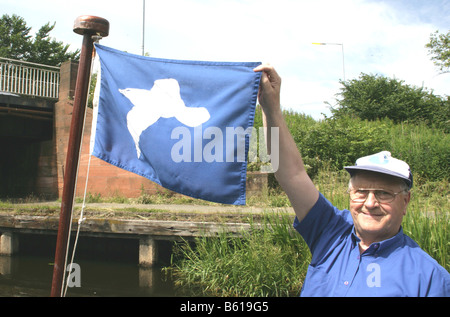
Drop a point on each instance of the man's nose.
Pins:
(371, 200)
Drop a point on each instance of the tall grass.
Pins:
(426, 149)
(269, 260)
(427, 220)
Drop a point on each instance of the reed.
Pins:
(269, 260)
(427, 220)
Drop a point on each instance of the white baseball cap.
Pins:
(384, 163)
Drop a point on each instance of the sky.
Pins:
(383, 37)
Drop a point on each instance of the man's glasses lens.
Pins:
(382, 196)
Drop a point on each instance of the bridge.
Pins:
(28, 93)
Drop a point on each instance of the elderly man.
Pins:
(362, 251)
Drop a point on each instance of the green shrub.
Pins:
(340, 141)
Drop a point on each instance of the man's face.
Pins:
(374, 221)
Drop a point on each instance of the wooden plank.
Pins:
(160, 228)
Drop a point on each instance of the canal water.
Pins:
(107, 267)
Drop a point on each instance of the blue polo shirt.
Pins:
(394, 267)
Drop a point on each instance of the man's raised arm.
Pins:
(291, 173)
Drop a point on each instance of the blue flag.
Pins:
(185, 125)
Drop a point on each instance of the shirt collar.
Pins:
(381, 246)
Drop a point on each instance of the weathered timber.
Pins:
(126, 228)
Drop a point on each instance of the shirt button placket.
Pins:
(352, 269)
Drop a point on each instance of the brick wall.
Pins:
(46, 179)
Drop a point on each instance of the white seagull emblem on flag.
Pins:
(162, 101)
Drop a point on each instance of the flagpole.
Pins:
(87, 26)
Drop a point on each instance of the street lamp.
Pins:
(343, 59)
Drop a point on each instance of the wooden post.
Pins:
(86, 26)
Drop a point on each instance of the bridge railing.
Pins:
(31, 79)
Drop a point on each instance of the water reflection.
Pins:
(108, 267)
(30, 275)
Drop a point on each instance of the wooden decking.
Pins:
(124, 228)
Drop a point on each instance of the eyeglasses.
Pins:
(382, 196)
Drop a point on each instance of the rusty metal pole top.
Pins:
(91, 25)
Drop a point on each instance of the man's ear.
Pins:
(407, 199)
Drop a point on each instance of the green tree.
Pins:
(14, 37)
(17, 43)
(46, 50)
(372, 97)
(439, 48)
